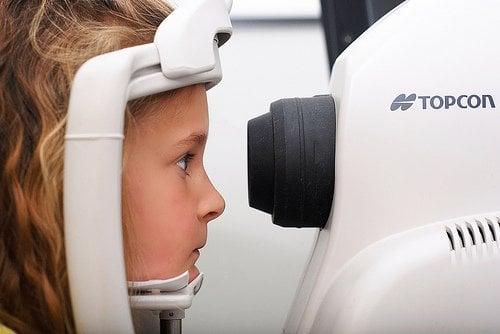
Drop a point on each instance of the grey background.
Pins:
(253, 267)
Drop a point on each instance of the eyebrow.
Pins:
(195, 138)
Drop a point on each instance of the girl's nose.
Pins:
(212, 204)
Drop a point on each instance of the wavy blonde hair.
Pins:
(42, 44)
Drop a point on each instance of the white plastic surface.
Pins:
(166, 294)
(171, 284)
(93, 236)
(93, 162)
(399, 170)
(413, 282)
(189, 30)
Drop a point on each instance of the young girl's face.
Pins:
(169, 196)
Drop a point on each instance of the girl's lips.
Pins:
(201, 245)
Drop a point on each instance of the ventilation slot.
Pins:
(471, 234)
(481, 232)
(450, 238)
(478, 233)
(461, 236)
(491, 227)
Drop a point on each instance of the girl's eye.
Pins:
(184, 162)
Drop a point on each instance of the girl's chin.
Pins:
(144, 275)
(193, 273)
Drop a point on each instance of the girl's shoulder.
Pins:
(5, 330)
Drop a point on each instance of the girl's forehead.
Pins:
(185, 104)
(175, 117)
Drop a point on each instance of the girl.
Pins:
(167, 196)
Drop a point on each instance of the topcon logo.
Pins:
(446, 102)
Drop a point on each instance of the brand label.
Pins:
(437, 102)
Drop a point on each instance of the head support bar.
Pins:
(190, 31)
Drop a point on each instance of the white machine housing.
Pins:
(439, 278)
(417, 143)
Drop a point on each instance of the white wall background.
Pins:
(253, 267)
(276, 9)
(259, 9)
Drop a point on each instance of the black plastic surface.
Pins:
(291, 161)
(345, 20)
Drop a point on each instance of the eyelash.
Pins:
(188, 157)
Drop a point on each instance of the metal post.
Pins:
(171, 321)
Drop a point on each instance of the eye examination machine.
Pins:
(399, 167)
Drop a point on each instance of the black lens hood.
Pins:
(291, 161)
